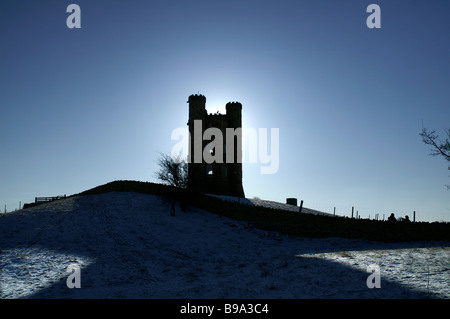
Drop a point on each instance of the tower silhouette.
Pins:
(218, 177)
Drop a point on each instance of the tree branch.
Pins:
(439, 148)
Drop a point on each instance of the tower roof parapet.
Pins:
(234, 105)
(196, 97)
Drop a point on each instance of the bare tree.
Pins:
(438, 148)
(173, 170)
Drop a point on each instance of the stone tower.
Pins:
(217, 177)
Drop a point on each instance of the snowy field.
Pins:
(126, 245)
(269, 204)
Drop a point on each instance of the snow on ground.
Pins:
(269, 204)
(128, 246)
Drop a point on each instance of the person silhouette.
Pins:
(172, 207)
(392, 218)
(406, 219)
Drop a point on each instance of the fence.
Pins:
(351, 212)
(47, 199)
(41, 200)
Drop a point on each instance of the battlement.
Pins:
(196, 97)
(217, 114)
(234, 105)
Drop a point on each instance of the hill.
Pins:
(271, 218)
(126, 245)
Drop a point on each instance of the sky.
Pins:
(81, 107)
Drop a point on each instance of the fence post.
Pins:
(334, 212)
(301, 206)
(352, 211)
(414, 216)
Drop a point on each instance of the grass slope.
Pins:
(296, 224)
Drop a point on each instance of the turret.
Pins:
(234, 121)
(197, 111)
(234, 110)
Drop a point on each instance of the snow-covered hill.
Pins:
(269, 204)
(127, 245)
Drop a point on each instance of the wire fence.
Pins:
(360, 213)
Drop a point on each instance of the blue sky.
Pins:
(83, 107)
